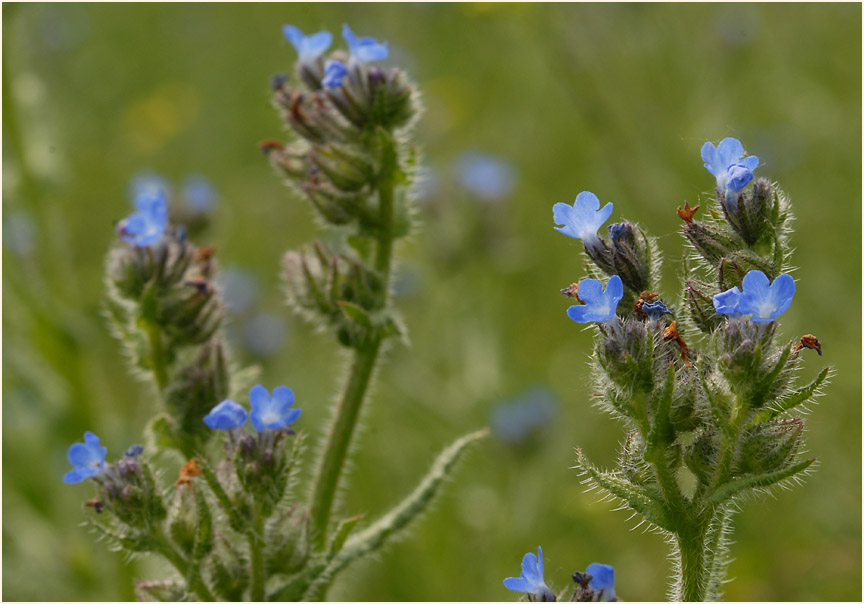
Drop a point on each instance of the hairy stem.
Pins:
(694, 570)
(256, 556)
(189, 571)
(157, 357)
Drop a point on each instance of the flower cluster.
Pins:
(268, 412)
(596, 584)
(760, 299)
(727, 163)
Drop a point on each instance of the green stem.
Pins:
(339, 439)
(716, 558)
(256, 556)
(694, 570)
(157, 357)
(189, 571)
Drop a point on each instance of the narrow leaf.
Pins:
(237, 521)
(355, 313)
(661, 431)
(342, 531)
(796, 398)
(728, 490)
(637, 497)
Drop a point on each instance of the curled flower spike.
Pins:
(334, 71)
(308, 47)
(531, 580)
(602, 581)
(272, 413)
(147, 224)
(364, 50)
(599, 305)
(727, 164)
(87, 457)
(763, 300)
(227, 415)
(583, 218)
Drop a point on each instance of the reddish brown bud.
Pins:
(686, 213)
(189, 470)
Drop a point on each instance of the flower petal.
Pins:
(529, 568)
(730, 151)
(519, 584)
(293, 35)
(283, 396)
(726, 303)
(751, 162)
(259, 397)
(316, 44)
(615, 289)
(586, 202)
(591, 291)
(78, 474)
(755, 282)
(81, 455)
(602, 578)
(782, 292)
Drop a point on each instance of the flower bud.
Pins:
(768, 447)
(701, 456)
(754, 211)
(626, 354)
(700, 296)
(710, 240)
(127, 490)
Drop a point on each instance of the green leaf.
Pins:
(237, 520)
(355, 313)
(662, 432)
(399, 517)
(796, 398)
(342, 531)
(640, 499)
(728, 490)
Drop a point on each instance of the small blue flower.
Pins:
(763, 300)
(199, 195)
(363, 50)
(727, 164)
(134, 451)
(726, 303)
(334, 71)
(308, 47)
(87, 457)
(147, 224)
(655, 310)
(488, 177)
(227, 415)
(599, 305)
(148, 182)
(531, 580)
(617, 229)
(272, 413)
(583, 218)
(602, 581)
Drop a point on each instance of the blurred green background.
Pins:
(616, 99)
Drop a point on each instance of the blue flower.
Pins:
(364, 50)
(227, 415)
(147, 224)
(763, 300)
(583, 218)
(599, 305)
(334, 71)
(655, 310)
(308, 47)
(199, 195)
(726, 303)
(727, 164)
(87, 457)
(602, 581)
(618, 229)
(489, 178)
(272, 413)
(134, 451)
(147, 182)
(531, 580)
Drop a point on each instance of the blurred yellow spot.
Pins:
(153, 121)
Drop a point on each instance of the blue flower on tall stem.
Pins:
(147, 224)
(583, 218)
(272, 413)
(308, 47)
(227, 415)
(727, 164)
(762, 300)
(87, 457)
(531, 580)
(599, 305)
(602, 581)
(334, 71)
(363, 50)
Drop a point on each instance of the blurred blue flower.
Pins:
(602, 581)
(583, 218)
(199, 195)
(655, 310)
(763, 300)
(19, 232)
(147, 224)
(227, 415)
(726, 303)
(239, 289)
(87, 457)
(308, 47)
(272, 413)
(727, 164)
(334, 71)
(515, 420)
(488, 177)
(148, 183)
(363, 50)
(134, 451)
(531, 580)
(264, 334)
(599, 305)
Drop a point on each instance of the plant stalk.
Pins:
(256, 557)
